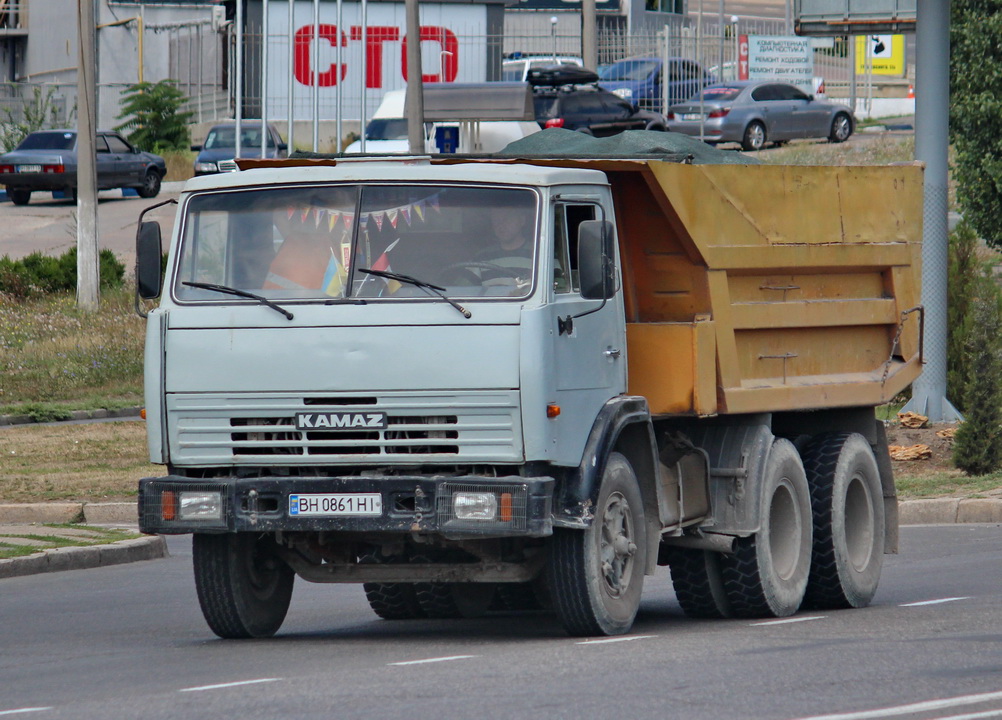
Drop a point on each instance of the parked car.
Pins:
(755, 113)
(47, 160)
(640, 80)
(570, 98)
(517, 69)
(217, 152)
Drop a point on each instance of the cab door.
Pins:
(589, 337)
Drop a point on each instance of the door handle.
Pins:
(613, 353)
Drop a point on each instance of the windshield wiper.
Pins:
(426, 286)
(242, 293)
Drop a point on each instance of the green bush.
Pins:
(37, 274)
(153, 117)
(978, 446)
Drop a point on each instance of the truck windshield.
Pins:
(309, 243)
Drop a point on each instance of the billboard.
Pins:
(782, 58)
(373, 54)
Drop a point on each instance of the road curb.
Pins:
(75, 512)
(82, 558)
(99, 414)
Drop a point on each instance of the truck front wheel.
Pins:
(767, 574)
(244, 587)
(596, 576)
(848, 508)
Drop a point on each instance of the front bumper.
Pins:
(410, 504)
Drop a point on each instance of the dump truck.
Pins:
(513, 383)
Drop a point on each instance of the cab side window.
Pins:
(567, 218)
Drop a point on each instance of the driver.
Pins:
(511, 245)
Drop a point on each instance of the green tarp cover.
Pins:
(557, 142)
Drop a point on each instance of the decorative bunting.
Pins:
(379, 217)
(392, 216)
(406, 212)
(332, 218)
(419, 210)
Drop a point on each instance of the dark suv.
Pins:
(570, 98)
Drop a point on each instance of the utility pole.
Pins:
(589, 35)
(88, 277)
(415, 88)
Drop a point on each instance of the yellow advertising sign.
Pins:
(884, 53)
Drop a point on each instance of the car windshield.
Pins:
(226, 137)
(49, 141)
(513, 71)
(313, 243)
(386, 129)
(717, 93)
(632, 70)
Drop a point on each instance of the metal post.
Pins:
(292, 73)
(264, 79)
(201, 64)
(553, 33)
(239, 77)
(365, 69)
(88, 273)
(932, 79)
(314, 61)
(415, 91)
(339, 78)
(589, 35)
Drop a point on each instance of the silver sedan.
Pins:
(754, 113)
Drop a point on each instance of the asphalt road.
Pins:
(48, 225)
(129, 642)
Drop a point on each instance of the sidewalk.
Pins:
(21, 524)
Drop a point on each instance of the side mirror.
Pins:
(595, 259)
(148, 254)
(283, 147)
(196, 148)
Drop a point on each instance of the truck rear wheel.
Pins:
(698, 581)
(243, 587)
(455, 600)
(767, 575)
(848, 509)
(596, 576)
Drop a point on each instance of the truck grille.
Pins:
(233, 429)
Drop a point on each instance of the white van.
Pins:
(386, 132)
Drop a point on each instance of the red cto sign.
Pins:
(376, 36)
(742, 57)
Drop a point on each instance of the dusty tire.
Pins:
(848, 510)
(841, 128)
(393, 601)
(151, 185)
(754, 138)
(767, 575)
(455, 600)
(698, 580)
(243, 587)
(596, 576)
(19, 196)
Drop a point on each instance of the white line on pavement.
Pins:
(606, 641)
(18, 711)
(229, 685)
(934, 602)
(434, 660)
(913, 708)
(787, 621)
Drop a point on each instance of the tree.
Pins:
(978, 446)
(153, 117)
(38, 114)
(976, 112)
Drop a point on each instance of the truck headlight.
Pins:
(474, 506)
(200, 505)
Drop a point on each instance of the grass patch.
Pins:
(55, 358)
(79, 536)
(180, 165)
(950, 483)
(92, 462)
(879, 150)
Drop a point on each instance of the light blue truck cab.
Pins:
(384, 371)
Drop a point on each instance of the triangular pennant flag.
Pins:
(363, 221)
(348, 219)
(379, 217)
(303, 214)
(289, 212)
(433, 201)
(406, 211)
(332, 218)
(392, 215)
(419, 210)
(316, 217)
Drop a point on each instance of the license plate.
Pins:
(692, 116)
(335, 504)
(29, 168)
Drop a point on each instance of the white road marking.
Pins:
(606, 641)
(18, 711)
(434, 660)
(787, 621)
(973, 716)
(934, 602)
(229, 685)
(913, 708)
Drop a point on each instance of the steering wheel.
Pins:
(465, 270)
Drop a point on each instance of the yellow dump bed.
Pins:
(757, 288)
